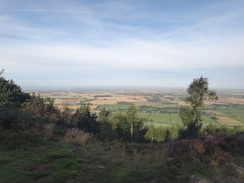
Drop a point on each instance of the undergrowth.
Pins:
(36, 159)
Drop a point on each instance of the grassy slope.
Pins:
(99, 162)
(62, 162)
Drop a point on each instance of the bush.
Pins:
(186, 150)
(210, 150)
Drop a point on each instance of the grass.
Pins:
(235, 114)
(206, 121)
(229, 121)
(58, 162)
(30, 164)
(167, 114)
(115, 107)
(63, 162)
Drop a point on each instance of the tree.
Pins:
(106, 125)
(11, 99)
(128, 126)
(122, 127)
(43, 108)
(191, 116)
(198, 92)
(85, 120)
(150, 134)
(11, 94)
(160, 134)
(131, 116)
(66, 115)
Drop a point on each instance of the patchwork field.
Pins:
(159, 107)
(229, 121)
(225, 119)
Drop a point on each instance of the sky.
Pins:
(122, 43)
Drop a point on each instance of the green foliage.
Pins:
(150, 135)
(11, 99)
(11, 94)
(43, 113)
(191, 117)
(106, 125)
(122, 127)
(43, 109)
(162, 134)
(83, 119)
(128, 127)
(191, 131)
(216, 130)
(198, 92)
(131, 115)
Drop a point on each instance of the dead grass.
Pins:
(73, 100)
(77, 136)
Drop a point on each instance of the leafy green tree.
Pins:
(198, 92)
(131, 116)
(150, 134)
(160, 134)
(85, 120)
(122, 127)
(106, 125)
(11, 94)
(128, 126)
(135, 123)
(11, 99)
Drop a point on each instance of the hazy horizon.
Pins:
(113, 88)
(122, 44)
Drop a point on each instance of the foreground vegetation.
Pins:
(40, 160)
(40, 143)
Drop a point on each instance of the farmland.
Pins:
(158, 107)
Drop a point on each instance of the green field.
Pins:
(206, 121)
(114, 107)
(167, 114)
(161, 108)
(237, 114)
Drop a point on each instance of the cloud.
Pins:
(128, 55)
(107, 39)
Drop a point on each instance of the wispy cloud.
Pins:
(109, 38)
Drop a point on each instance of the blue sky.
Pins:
(122, 43)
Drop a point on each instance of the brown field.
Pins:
(223, 120)
(74, 100)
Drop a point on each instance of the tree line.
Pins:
(24, 112)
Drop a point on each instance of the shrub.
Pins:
(233, 144)
(186, 150)
(77, 136)
(210, 150)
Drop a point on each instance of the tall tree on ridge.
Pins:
(191, 117)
